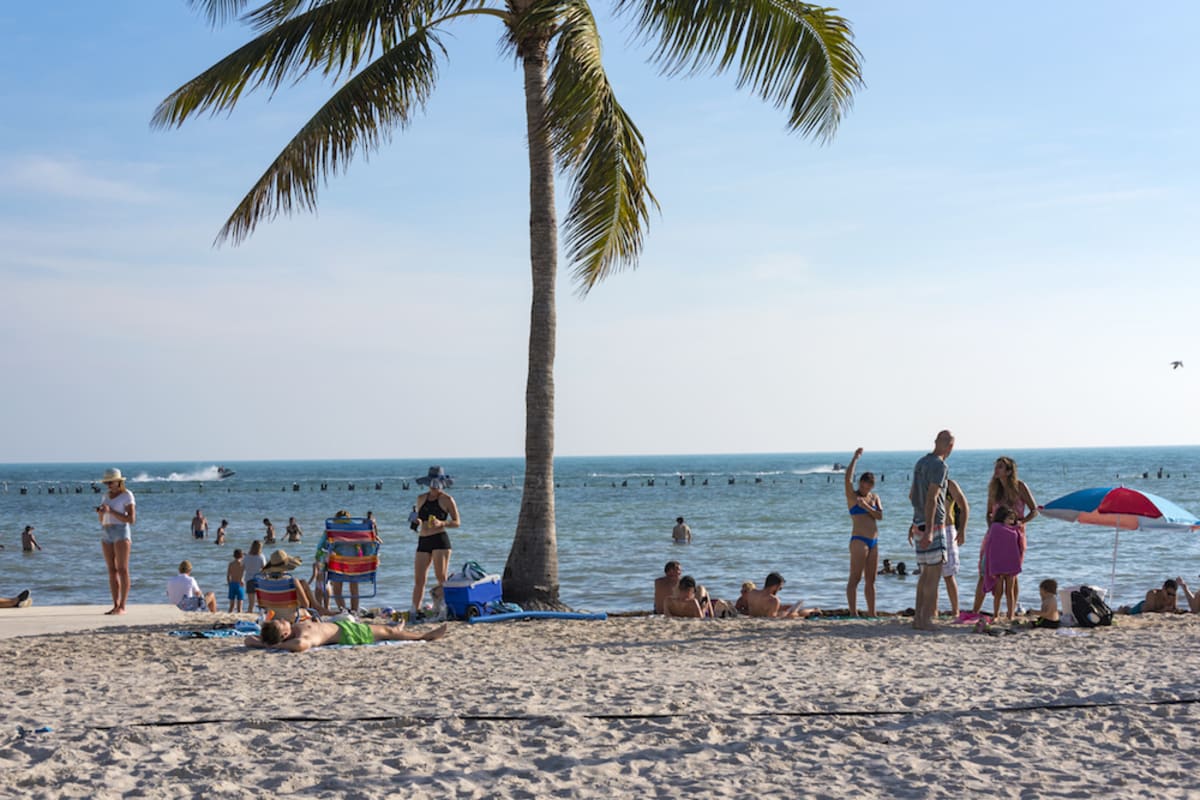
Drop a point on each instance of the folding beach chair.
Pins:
(278, 593)
(352, 553)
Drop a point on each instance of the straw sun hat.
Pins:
(280, 560)
(112, 474)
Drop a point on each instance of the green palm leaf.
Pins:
(219, 11)
(601, 149)
(789, 53)
(333, 36)
(358, 117)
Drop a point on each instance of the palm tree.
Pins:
(383, 57)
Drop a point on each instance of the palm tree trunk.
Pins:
(531, 574)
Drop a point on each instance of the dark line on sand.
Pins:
(1083, 704)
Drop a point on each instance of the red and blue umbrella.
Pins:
(1121, 508)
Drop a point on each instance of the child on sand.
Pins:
(234, 574)
(254, 563)
(1048, 617)
(1002, 552)
(741, 605)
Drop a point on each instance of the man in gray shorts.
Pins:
(929, 532)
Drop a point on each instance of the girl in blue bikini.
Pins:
(865, 512)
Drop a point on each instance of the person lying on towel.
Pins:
(279, 634)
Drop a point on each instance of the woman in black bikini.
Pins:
(437, 512)
(865, 512)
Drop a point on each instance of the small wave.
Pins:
(204, 474)
(824, 470)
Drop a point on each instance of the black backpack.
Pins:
(1089, 610)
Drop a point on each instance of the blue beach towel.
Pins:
(242, 628)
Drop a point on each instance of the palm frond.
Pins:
(789, 53)
(357, 118)
(219, 11)
(601, 150)
(334, 36)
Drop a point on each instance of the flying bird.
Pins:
(1176, 364)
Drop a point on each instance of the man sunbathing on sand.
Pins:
(1158, 601)
(764, 603)
(279, 634)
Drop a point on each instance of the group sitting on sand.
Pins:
(678, 595)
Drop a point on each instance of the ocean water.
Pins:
(750, 514)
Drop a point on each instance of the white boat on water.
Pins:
(224, 472)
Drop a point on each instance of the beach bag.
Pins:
(473, 572)
(1089, 609)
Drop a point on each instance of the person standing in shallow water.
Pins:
(866, 509)
(28, 541)
(117, 513)
(199, 525)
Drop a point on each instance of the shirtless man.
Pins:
(279, 634)
(199, 525)
(665, 587)
(1161, 601)
(684, 603)
(681, 533)
(765, 603)
(958, 511)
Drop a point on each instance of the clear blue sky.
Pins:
(1000, 240)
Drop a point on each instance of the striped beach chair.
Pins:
(278, 593)
(352, 553)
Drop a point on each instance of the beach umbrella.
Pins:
(1121, 508)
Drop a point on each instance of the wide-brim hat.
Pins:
(112, 474)
(436, 479)
(280, 560)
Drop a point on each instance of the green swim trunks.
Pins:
(354, 632)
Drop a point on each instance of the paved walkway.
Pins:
(36, 619)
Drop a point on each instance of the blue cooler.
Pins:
(465, 598)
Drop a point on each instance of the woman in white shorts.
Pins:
(117, 512)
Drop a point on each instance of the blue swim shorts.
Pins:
(237, 591)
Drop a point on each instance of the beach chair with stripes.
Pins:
(351, 547)
(278, 592)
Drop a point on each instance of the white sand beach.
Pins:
(631, 707)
